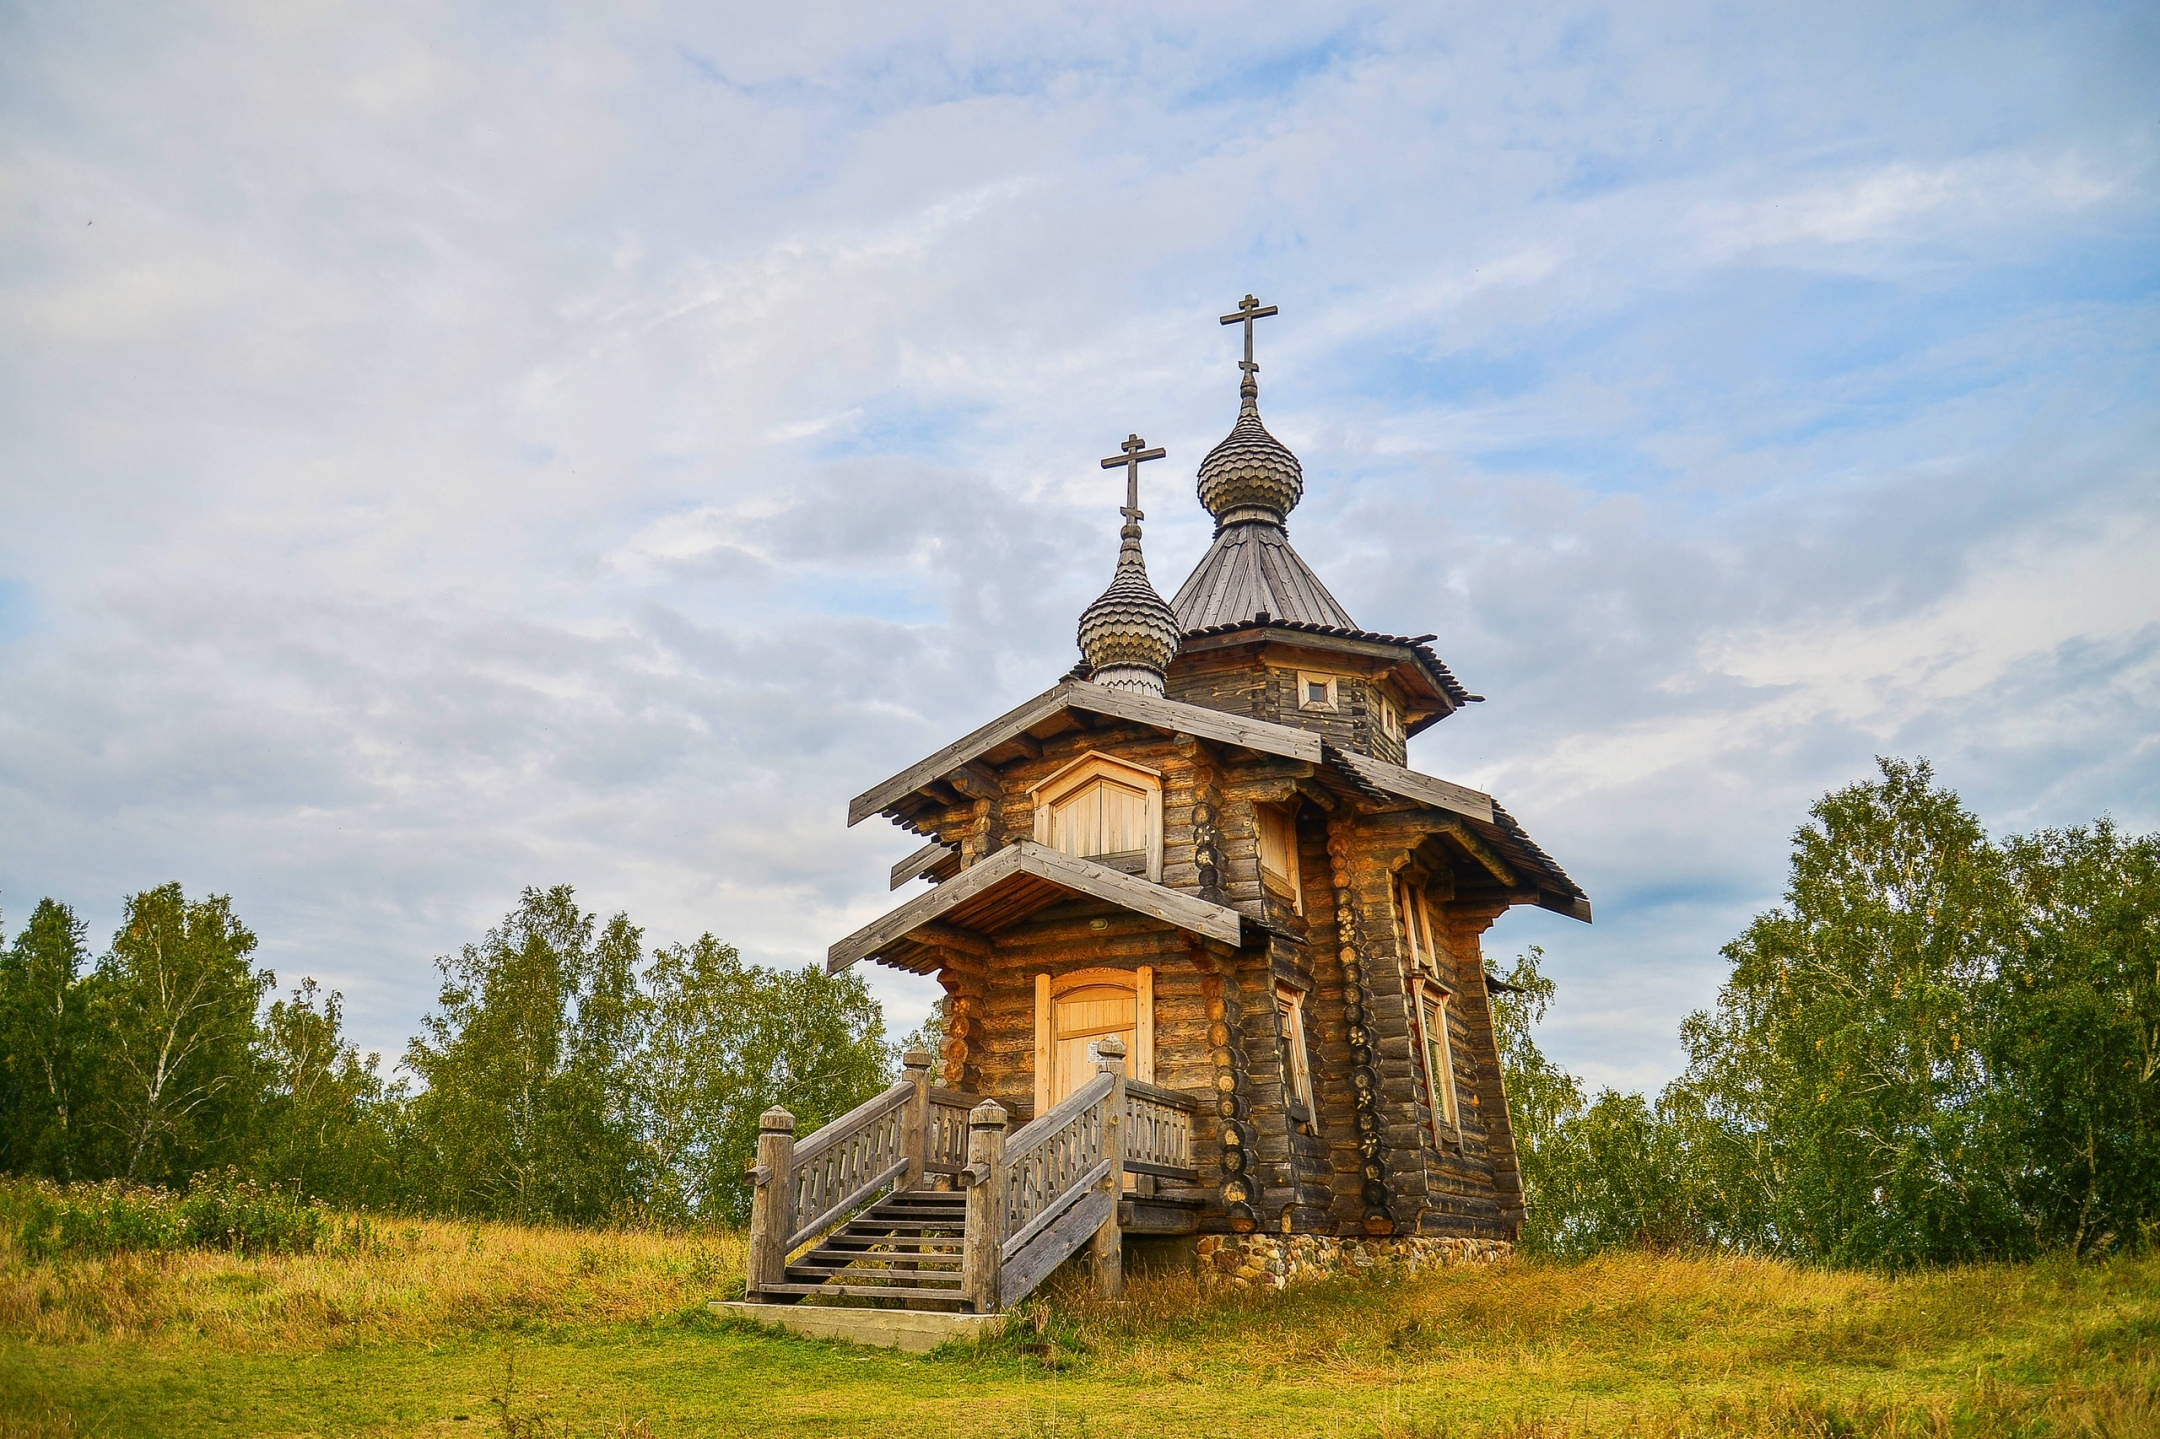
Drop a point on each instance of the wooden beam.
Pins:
(1483, 853)
(972, 943)
(976, 780)
(1080, 876)
(928, 857)
(1574, 906)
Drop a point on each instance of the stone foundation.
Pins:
(1245, 1261)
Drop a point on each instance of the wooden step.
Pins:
(927, 1262)
(861, 1228)
(920, 1196)
(827, 1266)
(862, 1291)
(916, 1244)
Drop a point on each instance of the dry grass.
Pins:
(425, 1280)
(608, 1335)
(1727, 1346)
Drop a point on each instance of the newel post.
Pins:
(980, 1256)
(1109, 1249)
(915, 1125)
(772, 1207)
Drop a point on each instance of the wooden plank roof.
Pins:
(1409, 784)
(1163, 714)
(1006, 888)
(1482, 823)
(1251, 570)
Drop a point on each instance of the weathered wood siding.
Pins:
(1367, 1159)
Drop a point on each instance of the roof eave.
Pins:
(1022, 860)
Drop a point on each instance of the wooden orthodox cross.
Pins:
(1135, 454)
(1248, 310)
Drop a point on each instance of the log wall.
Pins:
(1367, 1160)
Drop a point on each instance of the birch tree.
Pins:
(173, 1006)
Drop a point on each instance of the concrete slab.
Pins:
(916, 1331)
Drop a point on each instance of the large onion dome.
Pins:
(1129, 634)
(1251, 475)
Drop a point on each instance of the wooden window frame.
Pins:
(1308, 678)
(1047, 988)
(1443, 1096)
(1297, 1051)
(1096, 765)
(1415, 916)
(1292, 885)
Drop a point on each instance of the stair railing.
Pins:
(805, 1189)
(1035, 1198)
(1158, 1132)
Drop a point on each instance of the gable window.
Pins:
(1278, 854)
(1439, 1057)
(1297, 1064)
(1315, 692)
(1104, 809)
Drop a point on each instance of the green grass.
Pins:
(492, 1330)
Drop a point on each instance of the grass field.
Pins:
(452, 1329)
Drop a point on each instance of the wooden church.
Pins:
(1212, 950)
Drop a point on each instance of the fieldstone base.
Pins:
(1251, 1261)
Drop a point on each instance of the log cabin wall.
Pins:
(1366, 1158)
(1260, 681)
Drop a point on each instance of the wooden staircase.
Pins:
(919, 1201)
(907, 1246)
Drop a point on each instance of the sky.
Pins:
(445, 449)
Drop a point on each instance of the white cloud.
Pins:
(447, 453)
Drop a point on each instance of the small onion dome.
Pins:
(1129, 635)
(1251, 475)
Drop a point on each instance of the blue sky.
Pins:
(450, 449)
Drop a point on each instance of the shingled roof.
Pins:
(1252, 570)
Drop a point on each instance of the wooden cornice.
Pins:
(1078, 696)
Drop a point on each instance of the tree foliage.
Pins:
(1936, 1049)
(41, 1019)
(725, 1042)
(524, 1064)
(172, 1013)
(561, 1077)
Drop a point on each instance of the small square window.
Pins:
(1316, 692)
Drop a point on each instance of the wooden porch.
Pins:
(922, 1199)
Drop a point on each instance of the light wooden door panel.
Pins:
(1076, 1013)
(1080, 1020)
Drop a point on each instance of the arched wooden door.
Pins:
(1075, 1013)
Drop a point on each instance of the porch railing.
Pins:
(1033, 1197)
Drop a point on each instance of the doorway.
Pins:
(1075, 1013)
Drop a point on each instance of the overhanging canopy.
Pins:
(961, 914)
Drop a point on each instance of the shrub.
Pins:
(218, 1211)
